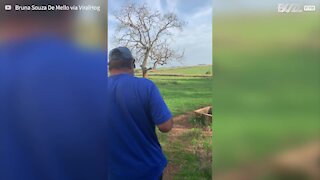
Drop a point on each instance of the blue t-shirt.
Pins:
(52, 111)
(135, 108)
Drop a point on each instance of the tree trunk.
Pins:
(155, 65)
(144, 64)
(145, 72)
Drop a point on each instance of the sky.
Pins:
(196, 37)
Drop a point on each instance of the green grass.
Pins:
(266, 88)
(184, 94)
(265, 91)
(188, 163)
(187, 70)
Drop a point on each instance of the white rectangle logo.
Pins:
(7, 7)
(289, 8)
(309, 8)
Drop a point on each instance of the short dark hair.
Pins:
(121, 64)
(116, 62)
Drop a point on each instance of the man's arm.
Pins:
(166, 126)
(159, 111)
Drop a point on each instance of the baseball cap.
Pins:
(120, 53)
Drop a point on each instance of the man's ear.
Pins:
(134, 63)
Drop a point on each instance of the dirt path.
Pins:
(181, 126)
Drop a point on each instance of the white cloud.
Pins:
(156, 4)
(196, 38)
(197, 43)
(172, 5)
(203, 12)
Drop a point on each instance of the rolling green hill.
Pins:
(186, 70)
(266, 86)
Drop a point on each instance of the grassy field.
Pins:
(187, 70)
(266, 87)
(265, 92)
(182, 95)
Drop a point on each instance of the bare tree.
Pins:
(162, 54)
(147, 33)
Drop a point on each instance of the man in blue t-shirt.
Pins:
(135, 108)
(52, 99)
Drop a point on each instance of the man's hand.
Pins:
(166, 126)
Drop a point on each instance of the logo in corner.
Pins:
(8, 7)
(289, 8)
(309, 8)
